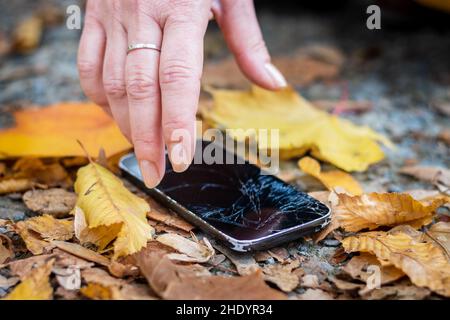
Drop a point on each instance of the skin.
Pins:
(153, 96)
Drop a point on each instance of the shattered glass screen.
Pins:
(239, 201)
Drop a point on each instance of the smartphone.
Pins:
(238, 204)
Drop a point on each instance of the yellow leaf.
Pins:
(105, 201)
(96, 291)
(35, 286)
(37, 232)
(424, 263)
(301, 126)
(372, 210)
(440, 234)
(330, 179)
(53, 132)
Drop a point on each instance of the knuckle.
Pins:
(257, 45)
(140, 85)
(115, 88)
(145, 143)
(87, 68)
(176, 72)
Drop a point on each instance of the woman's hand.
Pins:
(153, 95)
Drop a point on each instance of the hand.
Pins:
(153, 96)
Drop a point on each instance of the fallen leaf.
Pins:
(27, 35)
(189, 251)
(69, 278)
(16, 185)
(6, 283)
(6, 251)
(244, 262)
(37, 232)
(358, 268)
(101, 286)
(279, 253)
(315, 294)
(67, 260)
(431, 174)
(372, 210)
(440, 234)
(106, 202)
(49, 174)
(163, 215)
(310, 281)
(23, 267)
(424, 263)
(55, 202)
(282, 276)
(330, 179)
(346, 285)
(396, 291)
(53, 132)
(301, 127)
(173, 281)
(34, 286)
(82, 252)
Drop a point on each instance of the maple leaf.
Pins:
(330, 179)
(301, 127)
(109, 207)
(35, 285)
(424, 263)
(372, 210)
(53, 131)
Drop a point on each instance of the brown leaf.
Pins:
(431, 174)
(6, 250)
(279, 253)
(23, 267)
(440, 234)
(50, 174)
(161, 214)
(245, 262)
(310, 281)
(400, 291)
(345, 285)
(424, 263)
(6, 283)
(35, 285)
(37, 232)
(189, 251)
(372, 210)
(282, 275)
(315, 294)
(16, 185)
(81, 252)
(27, 35)
(55, 202)
(357, 268)
(172, 281)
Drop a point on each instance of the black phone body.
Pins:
(235, 203)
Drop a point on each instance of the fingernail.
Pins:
(276, 75)
(179, 156)
(149, 173)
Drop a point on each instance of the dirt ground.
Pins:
(403, 70)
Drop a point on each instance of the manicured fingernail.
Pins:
(179, 156)
(276, 75)
(149, 173)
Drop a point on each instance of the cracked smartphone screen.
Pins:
(240, 201)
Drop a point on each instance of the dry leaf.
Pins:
(399, 291)
(440, 234)
(163, 215)
(358, 268)
(172, 281)
(315, 294)
(245, 262)
(16, 185)
(282, 276)
(330, 179)
(424, 263)
(372, 210)
(96, 291)
(38, 231)
(310, 281)
(189, 251)
(105, 201)
(55, 202)
(6, 251)
(69, 278)
(434, 175)
(54, 131)
(301, 127)
(28, 34)
(34, 286)
(49, 174)
(82, 252)
(6, 283)
(23, 267)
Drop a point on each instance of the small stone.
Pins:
(56, 202)
(331, 242)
